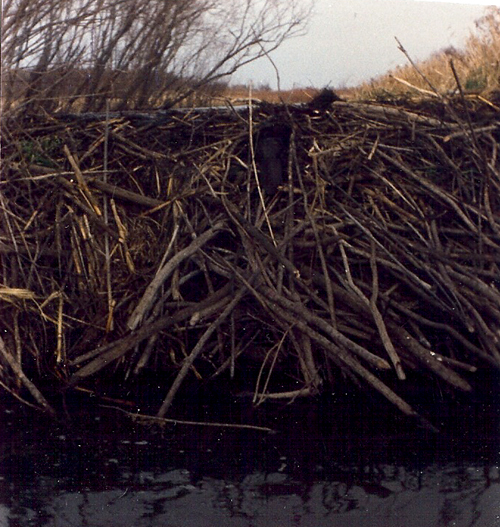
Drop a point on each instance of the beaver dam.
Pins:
(285, 248)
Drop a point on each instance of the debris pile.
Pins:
(361, 238)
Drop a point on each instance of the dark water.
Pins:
(332, 463)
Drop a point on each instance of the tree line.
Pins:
(77, 54)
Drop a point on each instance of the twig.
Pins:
(164, 272)
(188, 361)
(150, 419)
(16, 368)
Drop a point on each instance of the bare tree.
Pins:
(75, 54)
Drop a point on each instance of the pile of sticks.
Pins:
(156, 242)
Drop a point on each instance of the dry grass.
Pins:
(293, 96)
(477, 66)
(240, 94)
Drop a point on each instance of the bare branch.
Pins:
(76, 54)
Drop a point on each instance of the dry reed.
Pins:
(147, 242)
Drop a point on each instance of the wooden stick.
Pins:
(188, 361)
(162, 274)
(162, 421)
(16, 368)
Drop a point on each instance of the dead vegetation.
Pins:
(79, 55)
(147, 242)
(477, 66)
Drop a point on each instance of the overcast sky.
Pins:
(350, 41)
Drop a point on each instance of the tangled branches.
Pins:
(157, 241)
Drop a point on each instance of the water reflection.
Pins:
(437, 496)
(102, 471)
